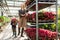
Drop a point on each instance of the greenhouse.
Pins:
(29, 19)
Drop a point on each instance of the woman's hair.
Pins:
(23, 6)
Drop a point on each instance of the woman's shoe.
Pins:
(18, 31)
(22, 32)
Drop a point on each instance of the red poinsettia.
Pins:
(33, 16)
(49, 15)
(54, 34)
(42, 33)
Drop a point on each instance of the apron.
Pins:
(22, 20)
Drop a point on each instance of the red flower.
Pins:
(31, 32)
(33, 16)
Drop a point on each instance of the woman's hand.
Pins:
(22, 14)
(26, 14)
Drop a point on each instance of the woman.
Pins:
(22, 19)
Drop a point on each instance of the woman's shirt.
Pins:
(22, 12)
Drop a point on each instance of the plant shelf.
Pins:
(41, 5)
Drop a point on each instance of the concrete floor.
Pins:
(7, 34)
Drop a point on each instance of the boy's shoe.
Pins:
(22, 36)
(18, 34)
(15, 37)
(12, 35)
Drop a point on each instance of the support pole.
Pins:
(36, 19)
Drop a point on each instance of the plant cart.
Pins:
(36, 6)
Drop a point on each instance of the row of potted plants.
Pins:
(51, 27)
(4, 20)
(42, 17)
(43, 34)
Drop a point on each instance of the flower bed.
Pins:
(42, 34)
